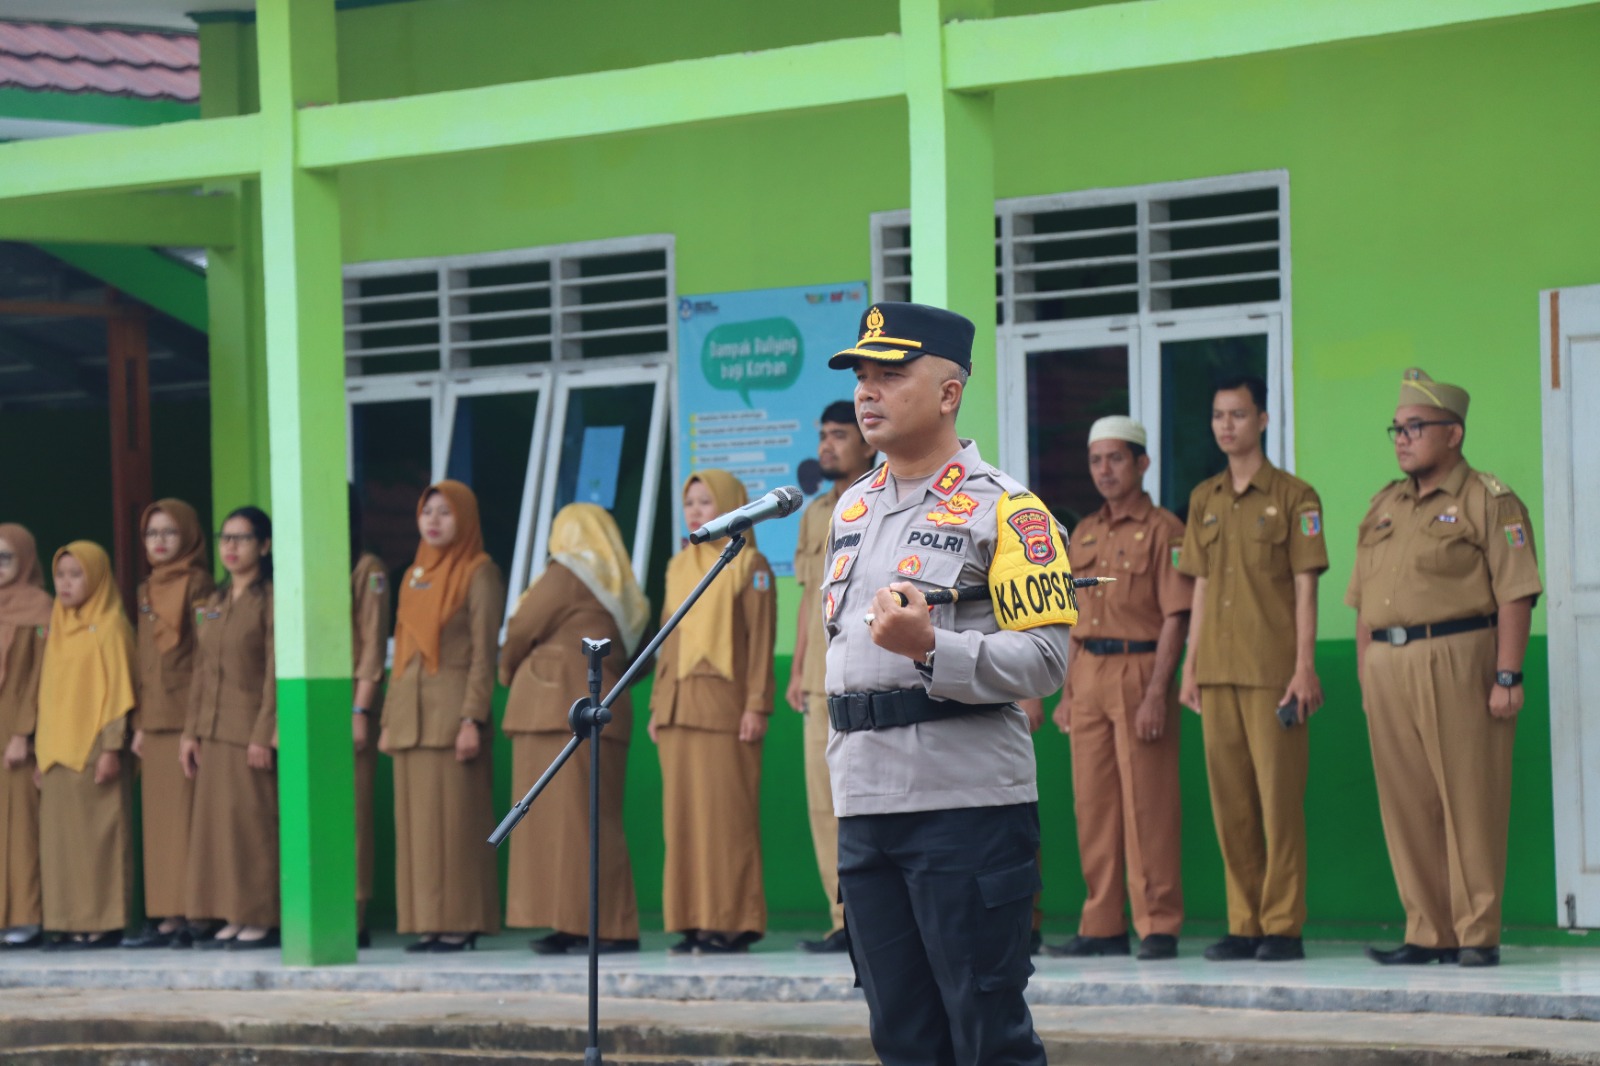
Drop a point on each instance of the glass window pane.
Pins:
(1067, 390)
(393, 462)
(489, 452)
(1189, 372)
(603, 444)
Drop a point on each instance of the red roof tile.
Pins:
(78, 59)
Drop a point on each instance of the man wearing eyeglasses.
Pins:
(1444, 586)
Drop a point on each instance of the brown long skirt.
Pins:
(711, 807)
(548, 886)
(85, 855)
(167, 797)
(444, 869)
(232, 869)
(19, 847)
(366, 769)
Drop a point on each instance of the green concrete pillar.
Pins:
(952, 198)
(306, 429)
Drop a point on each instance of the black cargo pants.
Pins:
(939, 905)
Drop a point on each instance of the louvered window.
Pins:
(1106, 253)
(511, 308)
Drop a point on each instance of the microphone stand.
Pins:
(588, 716)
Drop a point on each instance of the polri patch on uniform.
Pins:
(910, 566)
(763, 581)
(375, 583)
(827, 607)
(961, 503)
(950, 480)
(1516, 536)
(943, 518)
(841, 566)
(1311, 523)
(854, 511)
(949, 543)
(1033, 525)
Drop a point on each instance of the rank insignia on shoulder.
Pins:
(854, 511)
(961, 503)
(1311, 523)
(375, 583)
(950, 480)
(944, 518)
(1516, 535)
(910, 566)
(1030, 580)
(762, 581)
(882, 477)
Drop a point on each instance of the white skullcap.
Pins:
(1118, 427)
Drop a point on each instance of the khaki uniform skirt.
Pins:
(233, 839)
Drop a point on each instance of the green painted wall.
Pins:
(1423, 219)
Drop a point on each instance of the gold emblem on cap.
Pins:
(874, 321)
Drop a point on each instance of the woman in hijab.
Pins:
(179, 583)
(588, 590)
(369, 642)
(85, 694)
(24, 617)
(436, 726)
(708, 714)
(227, 748)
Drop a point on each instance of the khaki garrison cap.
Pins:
(1416, 387)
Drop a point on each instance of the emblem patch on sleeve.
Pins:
(1311, 523)
(1030, 580)
(1516, 536)
(763, 581)
(375, 583)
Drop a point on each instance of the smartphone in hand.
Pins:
(1289, 713)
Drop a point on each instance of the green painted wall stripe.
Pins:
(613, 101)
(1125, 36)
(164, 283)
(93, 108)
(179, 153)
(163, 219)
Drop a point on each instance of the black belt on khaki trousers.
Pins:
(1096, 646)
(856, 711)
(1398, 635)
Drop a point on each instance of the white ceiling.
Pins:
(164, 14)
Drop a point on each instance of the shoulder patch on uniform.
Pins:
(763, 581)
(950, 480)
(854, 511)
(1311, 523)
(1517, 535)
(1177, 552)
(1030, 580)
(1495, 486)
(375, 583)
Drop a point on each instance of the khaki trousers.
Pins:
(819, 804)
(1126, 797)
(1443, 765)
(1257, 772)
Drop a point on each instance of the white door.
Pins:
(1569, 327)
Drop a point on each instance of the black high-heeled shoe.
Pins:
(445, 947)
(272, 939)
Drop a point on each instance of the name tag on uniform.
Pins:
(1445, 518)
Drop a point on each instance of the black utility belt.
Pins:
(1398, 635)
(856, 711)
(1118, 647)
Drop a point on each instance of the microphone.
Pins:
(779, 503)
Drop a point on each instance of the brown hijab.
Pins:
(169, 581)
(435, 586)
(23, 601)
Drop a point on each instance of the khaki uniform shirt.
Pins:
(543, 662)
(234, 693)
(370, 625)
(810, 557)
(705, 699)
(1460, 551)
(19, 688)
(423, 710)
(1249, 547)
(975, 760)
(1140, 551)
(164, 678)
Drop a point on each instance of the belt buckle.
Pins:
(861, 710)
(1398, 635)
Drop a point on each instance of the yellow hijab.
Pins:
(87, 679)
(436, 584)
(169, 581)
(706, 633)
(585, 539)
(24, 603)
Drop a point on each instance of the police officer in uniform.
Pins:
(931, 762)
(1255, 548)
(844, 456)
(1444, 586)
(1121, 706)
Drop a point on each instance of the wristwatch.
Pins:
(1508, 678)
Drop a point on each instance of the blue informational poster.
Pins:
(753, 379)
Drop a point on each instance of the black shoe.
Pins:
(833, 943)
(1234, 948)
(557, 943)
(1479, 956)
(1080, 947)
(363, 938)
(1158, 946)
(1280, 949)
(1035, 943)
(721, 944)
(34, 940)
(151, 936)
(273, 939)
(686, 946)
(1411, 955)
(446, 947)
(418, 947)
(211, 943)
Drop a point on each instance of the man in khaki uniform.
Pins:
(1120, 705)
(1255, 548)
(1444, 585)
(845, 457)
